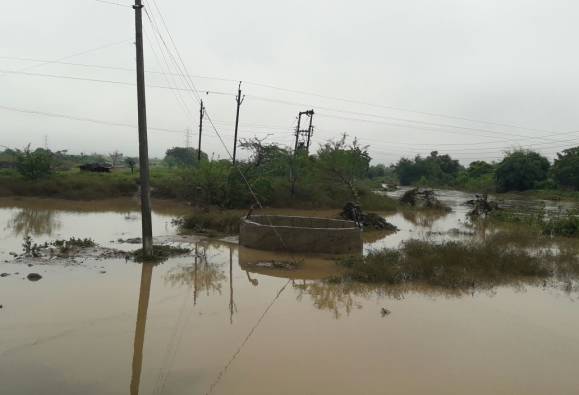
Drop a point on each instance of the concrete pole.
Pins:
(147, 226)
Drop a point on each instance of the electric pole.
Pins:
(187, 138)
(307, 132)
(201, 115)
(146, 222)
(239, 100)
(310, 131)
(298, 133)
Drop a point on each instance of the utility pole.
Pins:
(239, 100)
(201, 115)
(310, 132)
(187, 138)
(307, 132)
(298, 133)
(146, 222)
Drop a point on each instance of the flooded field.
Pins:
(222, 320)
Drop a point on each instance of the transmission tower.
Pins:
(304, 136)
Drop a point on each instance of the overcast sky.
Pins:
(466, 77)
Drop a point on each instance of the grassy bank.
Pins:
(72, 185)
(542, 194)
(211, 191)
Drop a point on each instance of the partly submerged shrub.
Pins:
(449, 264)
(160, 253)
(566, 226)
(212, 221)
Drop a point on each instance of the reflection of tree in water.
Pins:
(35, 222)
(342, 297)
(201, 275)
(337, 298)
(424, 218)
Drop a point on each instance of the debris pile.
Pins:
(390, 187)
(481, 206)
(422, 198)
(353, 212)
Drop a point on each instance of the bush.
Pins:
(566, 226)
(521, 170)
(432, 170)
(566, 168)
(70, 185)
(34, 165)
(212, 222)
(449, 264)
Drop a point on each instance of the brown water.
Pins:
(216, 322)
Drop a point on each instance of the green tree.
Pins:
(183, 157)
(521, 170)
(377, 171)
(341, 163)
(434, 169)
(35, 164)
(566, 168)
(479, 168)
(131, 163)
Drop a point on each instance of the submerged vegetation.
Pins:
(562, 225)
(225, 222)
(421, 198)
(160, 253)
(452, 264)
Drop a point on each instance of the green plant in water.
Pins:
(160, 253)
(31, 249)
(65, 246)
(212, 222)
(451, 264)
(566, 225)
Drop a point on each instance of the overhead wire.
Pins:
(174, 87)
(74, 55)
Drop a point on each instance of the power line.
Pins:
(83, 119)
(59, 76)
(322, 96)
(112, 3)
(75, 54)
(390, 118)
(266, 99)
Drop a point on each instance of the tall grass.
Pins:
(454, 264)
(212, 222)
(70, 185)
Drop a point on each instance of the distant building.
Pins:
(96, 167)
(7, 165)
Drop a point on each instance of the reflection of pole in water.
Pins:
(144, 293)
(230, 285)
(195, 278)
(253, 281)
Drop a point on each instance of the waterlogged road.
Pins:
(215, 322)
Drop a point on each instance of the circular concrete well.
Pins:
(300, 234)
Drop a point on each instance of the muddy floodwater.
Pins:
(222, 320)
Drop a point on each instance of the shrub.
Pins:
(34, 165)
(521, 170)
(449, 264)
(566, 168)
(212, 221)
(566, 226)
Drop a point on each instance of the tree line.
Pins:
(518, 170)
